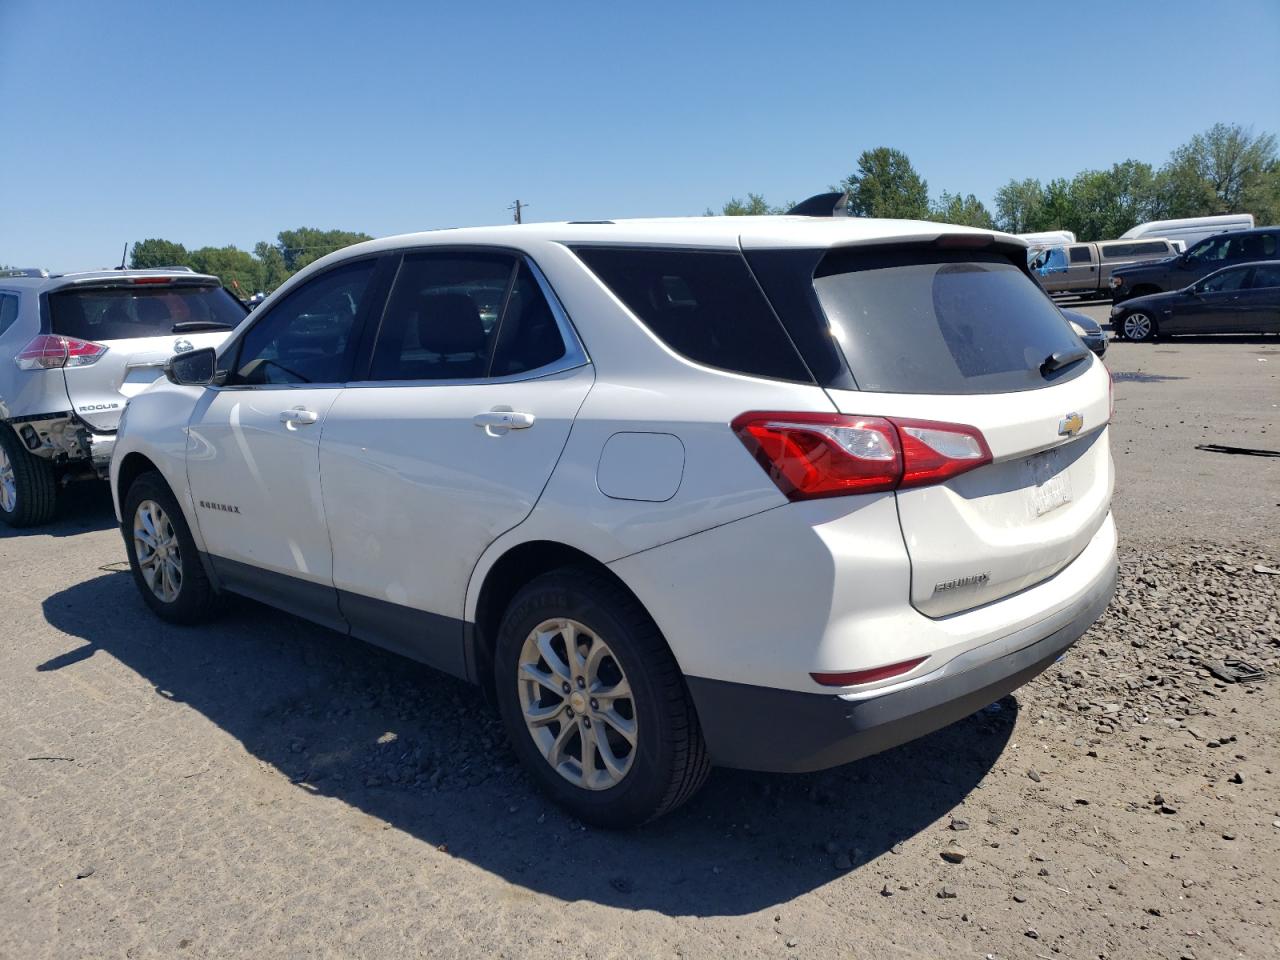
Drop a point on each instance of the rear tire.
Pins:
(28, 491)
(162, 553)
(568, 720)
(1138, 326)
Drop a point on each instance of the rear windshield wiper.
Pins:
(1063, 358)
(190, 326)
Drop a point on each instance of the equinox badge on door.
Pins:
(1070, 425)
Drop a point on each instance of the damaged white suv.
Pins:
(770, 492)
(73, 349)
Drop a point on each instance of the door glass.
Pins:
(1079, 254)
(309, 336)
(1211, 250)
(1266, 276)
(528, 337)
(442, 317)
(8, 311)
(1225, 281)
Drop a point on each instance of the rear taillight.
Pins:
(49, 351)
(810, 455)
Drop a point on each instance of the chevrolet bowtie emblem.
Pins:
(1070, 425)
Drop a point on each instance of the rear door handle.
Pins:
(298, 416)
(498, 422)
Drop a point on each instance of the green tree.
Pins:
(887, 185)
(754, 206)
(274, 271)
(1225, 169)
(239, 271)
(1020, 206)
(967, 211)
(148, 254)
(305, 244)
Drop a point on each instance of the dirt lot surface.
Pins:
(264, 788)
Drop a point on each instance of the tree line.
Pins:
(242, 272)
(1225, 169)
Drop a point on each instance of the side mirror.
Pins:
(194, 369)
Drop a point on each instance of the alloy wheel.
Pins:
(1137, 326)
(577, 704)
(8, 484)
(155, 543)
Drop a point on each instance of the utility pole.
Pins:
(518, 207)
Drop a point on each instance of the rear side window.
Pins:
(528, 337)
(8, 311)
(442, 318)
(705, 305)
(1267, 275)
(1080, 255)
(1114, 251)
(125, 313)
(937, 324)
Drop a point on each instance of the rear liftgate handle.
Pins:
(498, 421)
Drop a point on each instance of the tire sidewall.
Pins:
(632, 800)
(186, 607)
(1151, 335)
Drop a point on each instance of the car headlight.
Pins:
(1080, 331)
(1117, 283)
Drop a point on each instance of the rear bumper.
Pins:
(785, 731)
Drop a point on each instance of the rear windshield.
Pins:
(972, 323)
(702, 304)
(124, 313)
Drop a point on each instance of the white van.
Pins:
(1191, 229)
(1047, 238)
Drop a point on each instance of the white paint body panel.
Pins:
(415, 491)
(240, 454)
(641, 466)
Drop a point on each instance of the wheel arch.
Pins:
(503, 575)
(133, 465)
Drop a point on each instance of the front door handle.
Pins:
(297, 417)
(498, 422)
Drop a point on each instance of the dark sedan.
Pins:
(1088, 330)
(1244, 298)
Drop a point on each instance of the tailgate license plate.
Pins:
(1052, 483)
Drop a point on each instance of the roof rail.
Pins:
(25, 272)
(834, 204)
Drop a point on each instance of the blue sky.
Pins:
(225, 122)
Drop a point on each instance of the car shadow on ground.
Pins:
(83, 507)
(425, 754)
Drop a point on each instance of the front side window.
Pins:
(1080, 255)
(1056, 258)
(703, 304)
(8, 311)
(309, 336)
(1225, 281)
(1211, 249)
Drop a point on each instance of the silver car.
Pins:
(73, 349)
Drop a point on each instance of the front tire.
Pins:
(594, 703)
(162, 553)
(1138, 326)
(28, 490)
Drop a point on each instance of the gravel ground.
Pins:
(261, 787)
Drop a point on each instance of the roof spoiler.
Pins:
(25, 272)
(834, 204)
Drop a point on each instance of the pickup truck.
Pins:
(1084, 269)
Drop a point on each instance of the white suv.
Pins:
(73, 349)
(773, 493)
